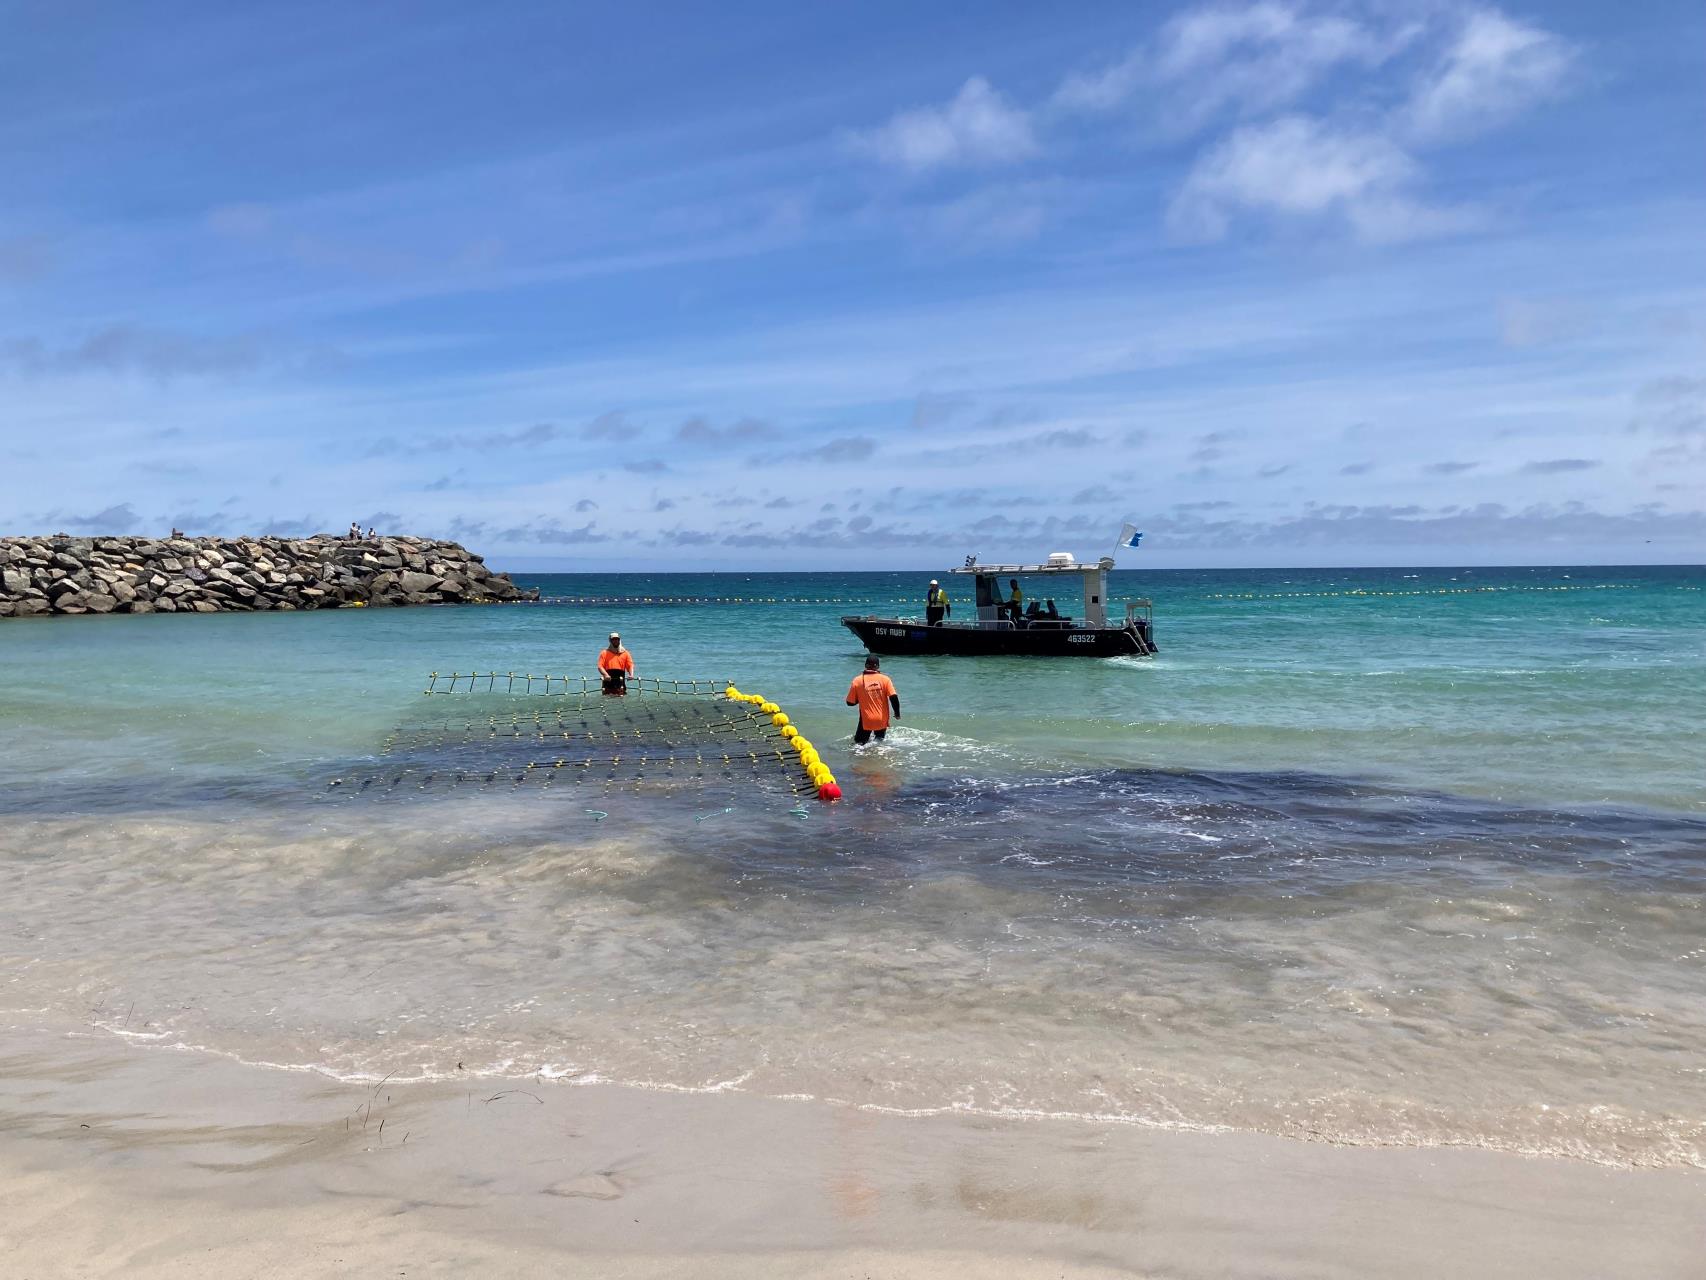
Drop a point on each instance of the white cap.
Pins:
(934, 583)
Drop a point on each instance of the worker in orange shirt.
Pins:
(873, 693)
(615, 665)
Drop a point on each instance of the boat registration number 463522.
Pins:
(1080, 639)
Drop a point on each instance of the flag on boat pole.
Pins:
(1129, 535)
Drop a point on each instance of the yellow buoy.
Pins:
(779, 719)
(788, 731)
(769, 708)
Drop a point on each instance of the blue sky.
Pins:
(613, 286)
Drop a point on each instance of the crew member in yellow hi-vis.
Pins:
(936, 606)
(873, 693)
(1015, 603)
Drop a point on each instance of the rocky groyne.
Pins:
(60, 575)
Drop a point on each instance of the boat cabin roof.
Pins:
(1106, 562)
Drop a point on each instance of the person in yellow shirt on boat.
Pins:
(1015, 604)
(615, 665)
(936, 605)
(874, 694)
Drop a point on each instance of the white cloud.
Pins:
(1105, 89)
(1493, 70)
(979, 127)
(1299, 166)
(1249, 58)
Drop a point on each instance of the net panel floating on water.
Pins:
(513, 729)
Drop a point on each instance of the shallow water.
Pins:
(1409, 869)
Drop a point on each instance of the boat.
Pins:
(996, 631)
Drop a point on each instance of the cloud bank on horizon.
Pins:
(1286, 282)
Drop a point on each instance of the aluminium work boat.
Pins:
(999, 629)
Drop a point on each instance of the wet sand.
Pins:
(121, 1160)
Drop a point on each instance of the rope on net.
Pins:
(560, 686)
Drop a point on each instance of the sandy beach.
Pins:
(118, 1161)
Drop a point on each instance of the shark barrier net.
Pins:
(509, 729)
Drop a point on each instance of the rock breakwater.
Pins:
(60, 575)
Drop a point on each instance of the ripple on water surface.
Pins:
(1416, 868)
(1293, 953)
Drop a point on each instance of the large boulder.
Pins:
(416, 583)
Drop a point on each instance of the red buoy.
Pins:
(829, 791)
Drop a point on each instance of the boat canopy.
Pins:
(1102, 565)
(1093, 576)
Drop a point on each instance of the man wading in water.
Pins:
(615, 665)
(873, 693)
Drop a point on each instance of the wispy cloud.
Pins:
(1494, 69)
(553, 533)
(1297, 167)
(135, 349)
(118, 518)
(840, 449)
(1060, 438)
(611, 426)
(977, 127)
(1558, 466)
(1329, 108)
(745, 431)
(1243, 59)
(1673, 406)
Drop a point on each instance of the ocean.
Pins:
(1384, 857)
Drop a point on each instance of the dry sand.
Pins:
(125, 1161)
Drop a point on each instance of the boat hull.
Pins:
(899, 637)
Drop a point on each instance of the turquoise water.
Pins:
(1578, 686)
(1371, 855)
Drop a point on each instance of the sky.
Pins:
(611, 286)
